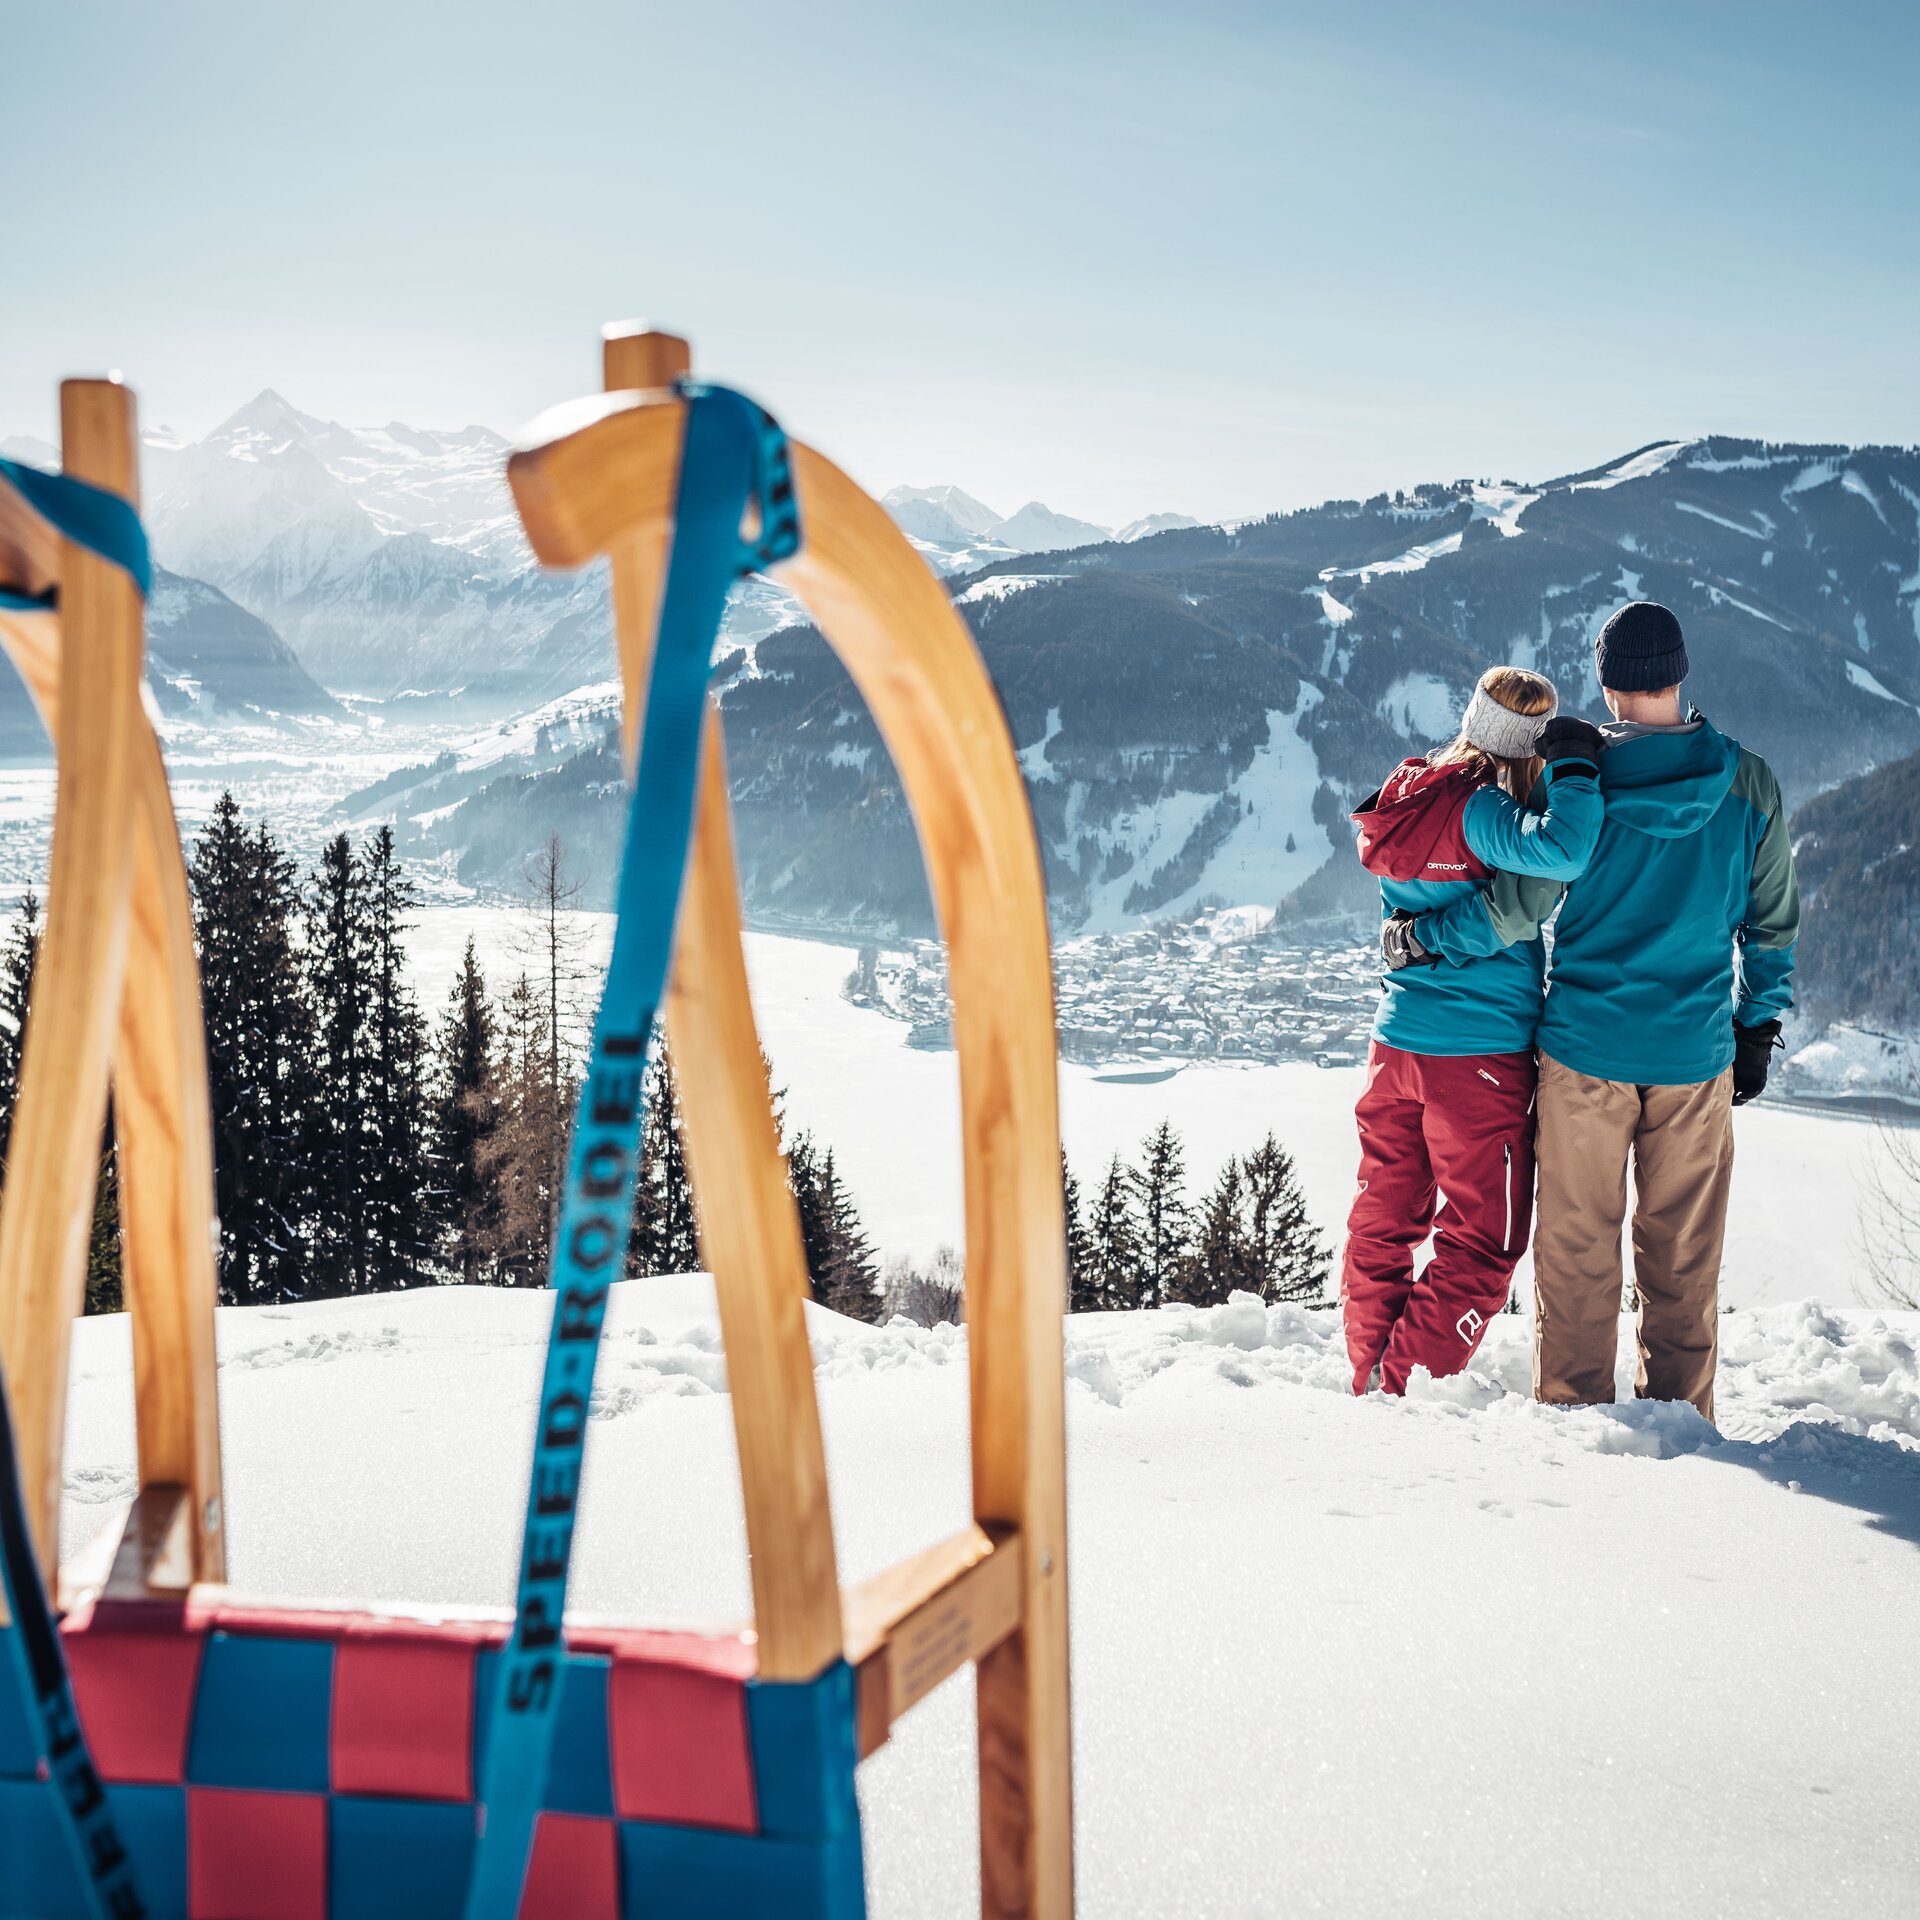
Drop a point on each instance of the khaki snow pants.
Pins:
(1680, 1140)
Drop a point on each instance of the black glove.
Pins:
(1400, 945)
(1571, 743)
(1752, 1056)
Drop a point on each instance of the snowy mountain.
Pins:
(1197, 709)
(958, 534)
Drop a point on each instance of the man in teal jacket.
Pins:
(1672, 964)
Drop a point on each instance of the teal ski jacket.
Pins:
(1682, 923)
(1485, 996)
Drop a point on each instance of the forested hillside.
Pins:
(1858, 851)
(1197, 710)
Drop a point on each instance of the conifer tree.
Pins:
(400, 1206)
(519, 1154)
(17, 960)
(850, 1282)
(1166, 1223)
(104, 1291)
(551, 942)
(666, 1236)
(1113, 1234)
(341, 1128)
(261, 1067)
(1288, 1255)
(1223, 1257)
(841, 1263)
(466, 1115)
(1083, 1280)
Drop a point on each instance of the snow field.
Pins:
(851, 1077)
(1452, 1655)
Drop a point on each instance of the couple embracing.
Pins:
(1663, 844)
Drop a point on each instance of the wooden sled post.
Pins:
(600, 478)
(128, 991)
(752, 1243)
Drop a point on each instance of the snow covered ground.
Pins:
(891, 1114)
(1451, 1656)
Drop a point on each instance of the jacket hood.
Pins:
(1668, 785)
(1412, 828)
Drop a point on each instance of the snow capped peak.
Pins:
(967, 513)
(1153, 523)
(1036, 528)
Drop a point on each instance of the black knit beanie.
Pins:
(1640, 649)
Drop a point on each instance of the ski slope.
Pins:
(1457, 1655)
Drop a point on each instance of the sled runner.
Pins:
(262, 1760)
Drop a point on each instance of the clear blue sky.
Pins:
(1201, 256)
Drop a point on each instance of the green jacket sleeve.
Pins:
(1768, 935)
(1509, 908)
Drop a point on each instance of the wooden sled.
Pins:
(723, 1761)
(116, 994)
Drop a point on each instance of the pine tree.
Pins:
(341, 1128)
(518, 1156)
(466, 1115)
(1113, 1233)
(841, 1264)
(1083, 1279)
(260, 1056)
(401, 1218)
(1223, 1256)
(850, 1282)
(551, 941)
(666, 1235)
(1288, 1254)
(1166, 1224)
(816, 1233)
(17, 960)
(105, 1292)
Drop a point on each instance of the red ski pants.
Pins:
(1431, 1126)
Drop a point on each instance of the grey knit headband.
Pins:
(1499, 730)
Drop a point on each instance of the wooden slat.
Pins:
(169, 1262)
(155, 1555)
(46, 1210)
(587, 476)
(164, 1123)
(749, 1228)
(920, 1622)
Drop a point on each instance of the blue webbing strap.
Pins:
(89, 516)
(733, 455)
(107, 525)
(40, 1668)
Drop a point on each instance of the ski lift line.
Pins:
(596, 478)
(103, 574)
(733, 455)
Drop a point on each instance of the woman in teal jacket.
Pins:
(1509, 810)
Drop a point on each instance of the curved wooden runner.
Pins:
(600, 477)
(116, 993)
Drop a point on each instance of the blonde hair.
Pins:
(1519, 690)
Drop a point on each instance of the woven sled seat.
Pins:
(269, 1764)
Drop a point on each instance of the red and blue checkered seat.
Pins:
(279, 1765)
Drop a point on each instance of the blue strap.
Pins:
(89, 516)
(733, 456)
(40, 1668)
